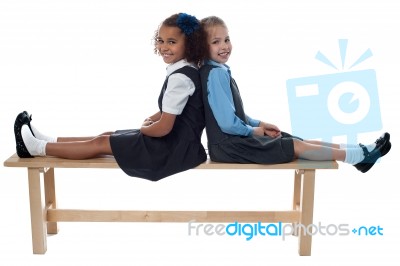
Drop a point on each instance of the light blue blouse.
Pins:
(221, 102)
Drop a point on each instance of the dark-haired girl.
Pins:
(168, 141)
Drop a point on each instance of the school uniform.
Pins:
(229, 130)
(154, 158)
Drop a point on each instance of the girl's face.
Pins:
(219, 44)
(170, 44)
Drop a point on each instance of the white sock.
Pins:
(41, 136)
(354, 155)
(344, 146)
(35, 147)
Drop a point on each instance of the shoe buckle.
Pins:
(365, 150)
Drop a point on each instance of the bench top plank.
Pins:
(109, 162)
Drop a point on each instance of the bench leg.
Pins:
(50, 198)
(307, 208)
(38, 213)
(296, 196)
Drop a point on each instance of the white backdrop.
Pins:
(85, 67)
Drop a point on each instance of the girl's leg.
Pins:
(85, 149)
(363, 157)
(44, 137)
(314, 150)
(74, 139)
(353, 153)
(347, 147)
(340, 146)
(80, 149)
(321, 143)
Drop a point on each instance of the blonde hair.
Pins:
(212, 21)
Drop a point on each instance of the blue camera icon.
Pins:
(340, 104)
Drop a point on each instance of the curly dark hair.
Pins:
(196, 48)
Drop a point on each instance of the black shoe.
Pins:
(381, 141)
(22, 119)
(370, 158)
(29, 123)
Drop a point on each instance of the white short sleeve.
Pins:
(177, 93)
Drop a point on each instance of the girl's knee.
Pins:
(102, 143)
(296, 143)
(108, 133)
(298, 147)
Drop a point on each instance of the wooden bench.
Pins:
(45, 214)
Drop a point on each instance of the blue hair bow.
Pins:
(187, 23)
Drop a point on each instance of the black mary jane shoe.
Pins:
(370, 158)
(22, 119)
(29, 119)
(381, 141)
(383, 145)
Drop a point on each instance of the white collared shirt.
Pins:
(178, 90)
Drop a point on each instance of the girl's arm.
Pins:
(253, 122)
(151, 119)
(156, 116)
(266, 129)
(161, 127)
(221, 103)
(176, 95)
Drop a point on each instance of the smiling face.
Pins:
(219, 43)
(170, 44)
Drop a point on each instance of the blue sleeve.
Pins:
(221, 103)
(253, 122)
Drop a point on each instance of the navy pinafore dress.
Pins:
(154, 158)
(223, 147)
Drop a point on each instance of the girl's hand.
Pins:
(270, 130)
(147, 122)
(158, 128)
(258, 131)
(272, 133)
